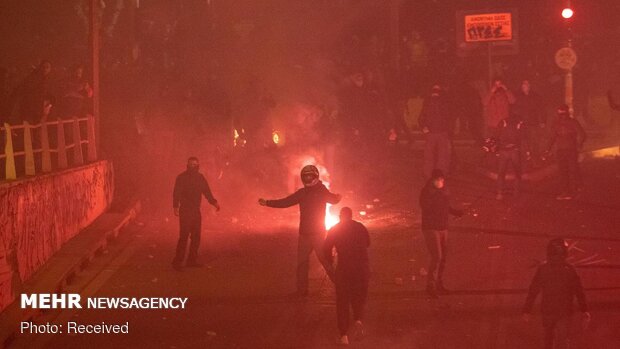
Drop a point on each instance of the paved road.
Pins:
(240, 299)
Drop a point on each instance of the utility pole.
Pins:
(94, 51)
(394, 33)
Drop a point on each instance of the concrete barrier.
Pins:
(40, 214)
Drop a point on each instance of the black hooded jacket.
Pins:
(560, 285)
(435, 208)
(188, 188)
(312, 203)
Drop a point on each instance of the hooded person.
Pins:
(560, 286)
(312, 200)
(436, 211)
(437, 122)
(568, 137)
(189, 188)
(351, 241)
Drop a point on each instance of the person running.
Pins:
(351, 240)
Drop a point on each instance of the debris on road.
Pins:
(494, 247)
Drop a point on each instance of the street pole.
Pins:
(94, 51)
(394, 30)
(568, 83)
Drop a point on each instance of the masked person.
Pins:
(436, 210)
(351, 240)
(560, 285)
(312, 200)
(188, 189)
(510, 135)
(436, 121)
(530, 107)
(568, 137)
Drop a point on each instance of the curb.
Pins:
(58, 272)
(549, 170)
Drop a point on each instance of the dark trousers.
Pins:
(506, 157)
(351, 292)
(557, 331)
(436, 242)
(437, 153)
(307, 244)
(190, 224)
(568, 165)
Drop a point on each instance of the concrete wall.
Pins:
(39, 214)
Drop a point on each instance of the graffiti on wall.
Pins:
(38, 215)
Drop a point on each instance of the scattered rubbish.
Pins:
(423, 272)
(234, 220)
(398, 281)
(475, 214)
(362, 213)
(412, 277)
(155, 280)
(151, 256)
(369, 206)
(376, 200)
(211, 334)
(494, 247)
(166, 220)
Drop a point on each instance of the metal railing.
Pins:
(46, 157)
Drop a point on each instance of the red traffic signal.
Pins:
(567, 13)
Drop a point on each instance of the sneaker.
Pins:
(194, 264)
(358, 330)
(344, 340)
(564, 196)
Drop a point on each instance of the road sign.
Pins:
(488, 27)
(566, 58)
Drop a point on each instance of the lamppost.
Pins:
(569, 57)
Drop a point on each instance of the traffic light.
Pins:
(567, 13)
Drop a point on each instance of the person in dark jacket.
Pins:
(32, 93)
(529, 106)
(510, 135)
(188, 189)
(312, 200)
(568, 137)
(436, 121)
(351, 240)
(560, 285)
(436, 210)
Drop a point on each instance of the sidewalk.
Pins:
(69, 261)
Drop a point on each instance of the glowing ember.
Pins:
(330, 219)
(275, 137)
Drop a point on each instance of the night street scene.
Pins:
(420, 174)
